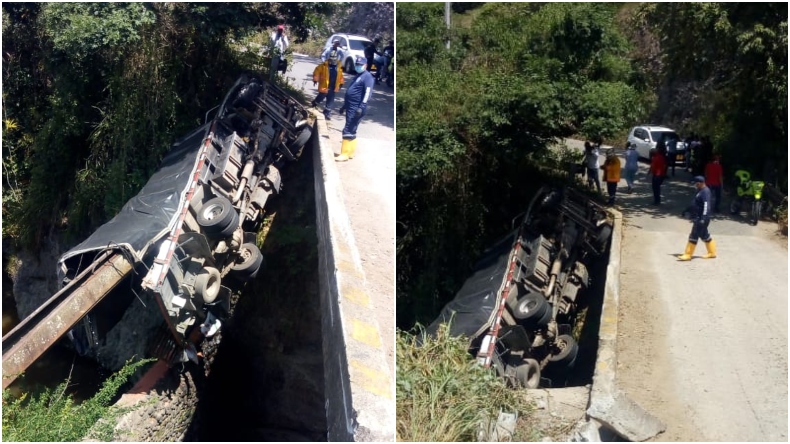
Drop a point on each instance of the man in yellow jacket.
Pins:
(328, 76)
(611, 174)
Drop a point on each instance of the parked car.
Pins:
(192, 227)
(646, 137)
(353, 47)
(519, 306)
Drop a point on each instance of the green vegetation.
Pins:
(443, 395)
(475, 120)
(95, 93)
(370, 19)
(53, 416)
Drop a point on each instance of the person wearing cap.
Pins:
(355, 104)
(700, 211)
(279, 43)
(714, 178)
(328, 76)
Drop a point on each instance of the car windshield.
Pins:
(667, 135)
(357, 45)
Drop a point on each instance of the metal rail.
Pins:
(23, 345)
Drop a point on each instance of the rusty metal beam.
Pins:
(62, 317)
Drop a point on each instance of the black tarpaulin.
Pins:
(473, 308)
(149, 215)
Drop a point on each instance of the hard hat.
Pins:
(280, 27)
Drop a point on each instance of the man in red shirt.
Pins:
(714, 177)
(658, 169)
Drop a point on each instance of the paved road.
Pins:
(702, 344)
(369, 192)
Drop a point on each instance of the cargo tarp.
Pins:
(473, 308)
(148, 216)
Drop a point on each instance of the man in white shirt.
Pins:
(279, 43)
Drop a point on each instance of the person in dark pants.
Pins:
(714, 178)
(658, 169)
(327, 86)
(371, 51)
(700, 211)
(355, 104)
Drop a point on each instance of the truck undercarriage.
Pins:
(521, 303)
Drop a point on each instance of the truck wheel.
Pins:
(248, 263)
(218, 216)
(207, 284)
(303, 137)
(527, 373)
(530, 307)
(568, 349)
(602, 238)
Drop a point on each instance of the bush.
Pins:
(53, 416)
(442, 393)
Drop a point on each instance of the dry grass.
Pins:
(443, 394)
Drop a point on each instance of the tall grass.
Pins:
(53, 416)
(442, 393)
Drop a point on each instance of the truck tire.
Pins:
(207, 284)
(217, 216)
(526, 374)
(568, 349)
(248, 263)
(303, 137)
(530, 307)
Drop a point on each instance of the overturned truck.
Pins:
(191, 230)
(520, 305)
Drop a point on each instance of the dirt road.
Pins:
(369, 193)
(702, 344)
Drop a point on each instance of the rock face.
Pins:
(162, 414)
(36, 279)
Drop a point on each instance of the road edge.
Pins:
(361, 396)
(610, 410)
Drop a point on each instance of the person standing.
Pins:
(631, 166)
(279, 43)
(714, 178)
(355, 103)
(611, 174)
(383, 61)
(658, 169)
(700, 211)
(672, 154)
(593, 164)
(329, 77)
(371, 51)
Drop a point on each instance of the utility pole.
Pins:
(447, 19)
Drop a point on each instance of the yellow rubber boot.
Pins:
(711, 246)
(344, 150)
(352, 148)
(689, 251)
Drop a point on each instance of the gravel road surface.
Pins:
(702, 344)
